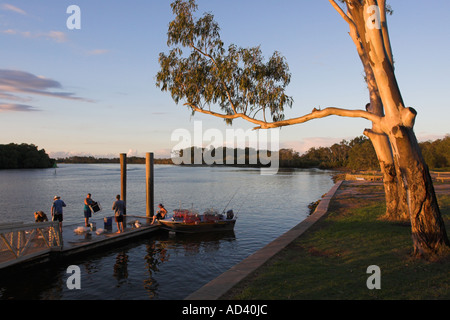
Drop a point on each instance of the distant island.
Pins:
(24, 156)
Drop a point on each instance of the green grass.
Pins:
(330, 260)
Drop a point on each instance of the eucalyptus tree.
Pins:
(231, 82)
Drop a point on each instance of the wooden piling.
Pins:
(150, 211)
(123, 177)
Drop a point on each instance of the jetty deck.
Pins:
(75, 241)
(27, 243)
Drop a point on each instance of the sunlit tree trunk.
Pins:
(428, 229)
(396, 206)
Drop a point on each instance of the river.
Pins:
(163, 266)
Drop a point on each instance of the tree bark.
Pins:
(428, 229)
(396, 205)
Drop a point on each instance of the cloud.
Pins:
(57, 36)
(132, 153)
(68, 154)
(9, 107)
(13, 82)
(97, 52)
(10, 7)
(163, 153)
(426, 136)
(7, 96)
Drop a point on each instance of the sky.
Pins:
(92, 90)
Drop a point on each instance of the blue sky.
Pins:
(92, 91)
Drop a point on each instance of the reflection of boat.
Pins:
(190, 221)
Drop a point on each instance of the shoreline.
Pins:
(265, 270)
(219, 286)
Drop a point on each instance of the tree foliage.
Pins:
(24, 156)
(359, 154)
(356, 154)
(437, 153)
(236, 79)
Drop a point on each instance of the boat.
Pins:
(190, 221)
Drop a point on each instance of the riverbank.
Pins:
(330, 260)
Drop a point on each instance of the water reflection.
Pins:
(121, 267)
(152, 259)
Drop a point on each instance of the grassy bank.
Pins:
(330, 260)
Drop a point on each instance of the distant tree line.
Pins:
(437, 153)
(359, 154)
(91, 159)
(356, 154)
(222, 156)
(24, 156)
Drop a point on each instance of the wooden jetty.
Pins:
(76, 241)
(26, 244)
(22, 244)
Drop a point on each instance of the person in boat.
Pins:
(119, 211)
(40, 216)
(57, 211)
(88, 202)
(161, 214)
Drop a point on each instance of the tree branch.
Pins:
(225, 116)
(384, 30)
(315, 114)
(342, 13)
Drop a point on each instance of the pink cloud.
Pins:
(57, 36)
(14, 82)
(10, 107)
(10, 7)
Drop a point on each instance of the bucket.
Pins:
(108, 223)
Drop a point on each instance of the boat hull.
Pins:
(197, 227)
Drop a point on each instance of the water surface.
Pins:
(161, 266)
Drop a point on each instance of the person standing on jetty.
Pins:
(119, 211)
(88, 202)
(57, 211)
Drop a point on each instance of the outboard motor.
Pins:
(230, 214)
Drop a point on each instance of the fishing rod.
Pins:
(239, 209)
(230, 200)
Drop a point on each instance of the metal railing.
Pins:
(19, 242)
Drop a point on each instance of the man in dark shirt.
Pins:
(119, 210)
